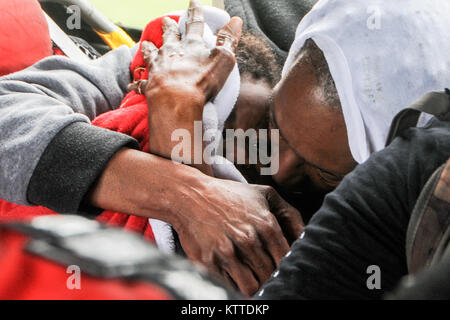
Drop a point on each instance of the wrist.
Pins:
(191, 194)
(169, 111)
(170, 93)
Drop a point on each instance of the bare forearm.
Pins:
(177, 112)
(145, 185)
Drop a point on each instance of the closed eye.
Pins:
(329, 178)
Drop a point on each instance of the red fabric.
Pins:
(130, 119)
(57, 51)
(15, 212)
(25, 276)
(24, 36)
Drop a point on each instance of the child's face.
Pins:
(250, 112)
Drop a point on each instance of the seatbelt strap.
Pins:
(434, 103)
(62, 40)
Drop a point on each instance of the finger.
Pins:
(228, 280)
(273, 239)
(288, 217)
(291, 222)
(195, 22)
(221, 275)
(230, 34)
(214, 269)
(243, 277)
(224, 53)
(171, 31)
(224, 62)
(239, 272)
(149, 52)
(261, 264)
(252, 252)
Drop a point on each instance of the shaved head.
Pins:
(311, 55)
(314, 150)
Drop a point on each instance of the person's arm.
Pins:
(50, 154)
(231, 228)
(181, 82)
(362, 223)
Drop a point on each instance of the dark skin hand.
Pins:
(239, 232)
(190, 75)
(233, 229)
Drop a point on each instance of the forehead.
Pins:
(316, 132)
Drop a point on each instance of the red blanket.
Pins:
(24, 36)
(130, 119)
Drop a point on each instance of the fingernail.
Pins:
(236, 22)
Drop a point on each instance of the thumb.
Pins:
(289, 218)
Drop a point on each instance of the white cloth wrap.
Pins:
(382, 55)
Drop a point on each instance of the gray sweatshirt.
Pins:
(50, 154)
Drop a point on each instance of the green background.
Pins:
(137, 13)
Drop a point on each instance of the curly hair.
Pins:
(255, 57)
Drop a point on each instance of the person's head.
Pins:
(260, 72)
(305, 107)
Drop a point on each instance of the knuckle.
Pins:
(265, 190)
(227, 250)
(168, 47)
(248, 240)
(270, 191)
(270, 228)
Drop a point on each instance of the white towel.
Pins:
(383, 56)
(214, 116)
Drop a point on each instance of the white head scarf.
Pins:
(382, 55)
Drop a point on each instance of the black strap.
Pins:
(434, 103)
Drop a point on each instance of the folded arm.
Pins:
(49, 152)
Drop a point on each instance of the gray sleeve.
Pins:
(45, 110)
